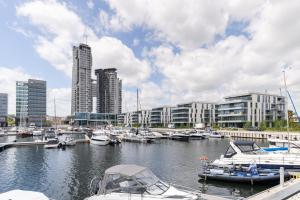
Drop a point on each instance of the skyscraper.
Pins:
(31, 102)
(37, 102)
(3, 109)
(109, 91)
(82, 100)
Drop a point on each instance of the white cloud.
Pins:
(136, 42)
(231, 65)
(90, 4)
(111, 52)
(60, 32)
(8, 78)
(62, 101)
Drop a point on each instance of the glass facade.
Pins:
(31, 98)
(94, 119)
(37, 102)
(21, 99)
(3, 104)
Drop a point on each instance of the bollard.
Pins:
(281, 172)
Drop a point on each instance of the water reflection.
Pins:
(66, 174)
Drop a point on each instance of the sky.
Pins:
(174, 51)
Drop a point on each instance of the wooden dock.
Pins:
(289, 190)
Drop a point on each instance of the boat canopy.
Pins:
(126, 170)
(132, 179)
(241, 147)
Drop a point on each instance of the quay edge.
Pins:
(244, 134)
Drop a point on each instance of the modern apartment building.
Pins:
(160, 117)
(82, 94)
(109, 91)
(3, 109)
(31, 102)
(21, 103)
(189, 114)
(251, 107)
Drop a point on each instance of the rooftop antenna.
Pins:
(85, 35)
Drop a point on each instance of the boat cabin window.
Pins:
(272, 143)
(248, 147)
(230, 152)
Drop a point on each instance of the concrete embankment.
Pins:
(260, 134)
(245, 134)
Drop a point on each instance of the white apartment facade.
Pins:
(160, 116)
(255, 108)
(189, 114)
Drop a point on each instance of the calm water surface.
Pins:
(64, 175)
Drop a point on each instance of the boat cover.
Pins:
(125, 170)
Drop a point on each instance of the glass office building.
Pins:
(3, 109)
(31, 102)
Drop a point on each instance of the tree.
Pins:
(263, 126)
(10, 121)
(247, 125)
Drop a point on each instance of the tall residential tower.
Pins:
(109, 91)
(82, 99)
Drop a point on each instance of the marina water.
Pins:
(66, 174)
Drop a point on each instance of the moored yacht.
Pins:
(180, 136)
(195, 135)
(120, 181)
(247, 152)
(100, 140)
(52, 144)
(215, 134)
(100, 137)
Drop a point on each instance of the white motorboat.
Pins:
(100, 140)
(52, 143)
(135, 182)
(180, 136)
(22, 195)
(37, 132)
(247, 152)
(215, 134)
(69, 141)
(293, 145)
(195, 135)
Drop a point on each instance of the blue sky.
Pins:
(175, 52)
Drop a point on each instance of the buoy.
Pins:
(204, 158)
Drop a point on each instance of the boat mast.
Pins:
(137, 110)
(55, 114)
(287, 112)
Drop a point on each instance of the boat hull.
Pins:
(180, 138)
(99, 142)
(197, 137)
(241, 179)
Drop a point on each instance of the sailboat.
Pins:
(136, 136)
(22, 129)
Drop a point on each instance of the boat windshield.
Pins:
(142, 182)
